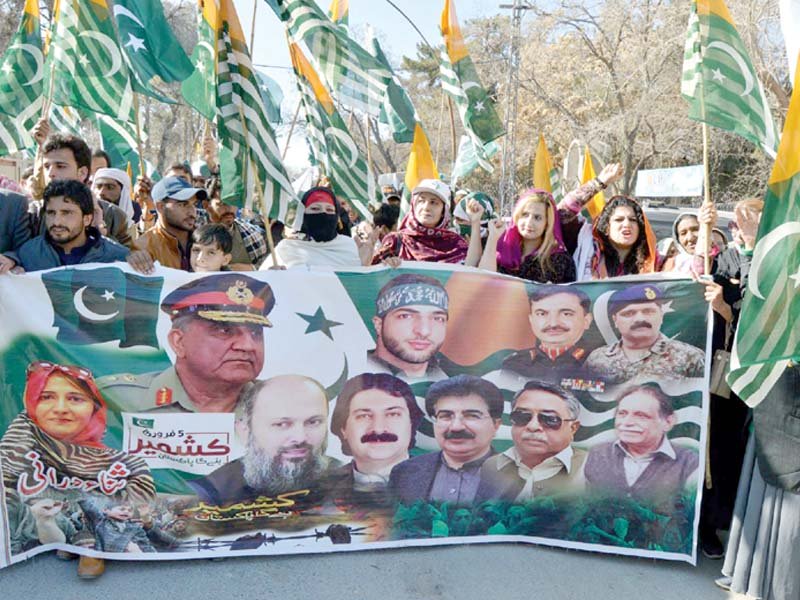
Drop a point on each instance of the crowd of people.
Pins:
(75, 207)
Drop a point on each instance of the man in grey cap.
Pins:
(643, 351)
(176, 204)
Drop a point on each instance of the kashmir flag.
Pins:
(420, 165)
(397, 112)
(358, 80)
(91, 306)
(469, 156)
(65, 119)
(272, 95)
(460, 80)
(332, 146)
(768, 337)
(150, 46)
(544, 175)
(719, 81)
(118, 140)
(225, 88)
(594, 207)
(89, 71)
(22, 83)
(339, 12)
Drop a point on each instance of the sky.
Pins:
(397, 37)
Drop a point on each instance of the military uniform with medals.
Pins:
(229, 298)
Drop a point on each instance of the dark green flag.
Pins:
(102, 305)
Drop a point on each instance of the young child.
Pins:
(211, 248)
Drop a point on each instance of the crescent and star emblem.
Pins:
(90, 315)
(764, 248)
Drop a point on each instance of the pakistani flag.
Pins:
(545, 176)
(768, 336)
(118, 140)
(460, 80)
(397, 112)
(92, 306)
(358, 80)
(225, 88)
(332, 146)
(89, 71)
(22, 83)
(467, 159)
(152, 50)
(719, 81)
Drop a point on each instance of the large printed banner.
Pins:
(181, 415)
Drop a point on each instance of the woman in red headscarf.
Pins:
(54, 448)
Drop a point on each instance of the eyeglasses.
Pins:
(521, 418)
(445, 417)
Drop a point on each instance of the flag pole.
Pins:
(291, 130)
(706, 200)
(253, 26)
(454, 145)
(142, 172)
(439, 131)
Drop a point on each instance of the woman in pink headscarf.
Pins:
(532, 247)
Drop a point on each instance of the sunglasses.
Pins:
(76, 372)
(521, 418)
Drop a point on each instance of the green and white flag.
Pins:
(461, 82)
(768, 336)
(332, 146)
(22, 83)
(719, 81)
(358, 80)
(118, 140)
(467, 159)
(225, 88)
(272, 95)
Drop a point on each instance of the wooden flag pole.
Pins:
(453, 141)
(253, 26)
(142, 171)
(291, 130)
(439, 129)
(706, 200)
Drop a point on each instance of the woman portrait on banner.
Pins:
(532, 247)
(54, 450)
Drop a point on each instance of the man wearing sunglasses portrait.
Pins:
(466, 412)
(542, 461)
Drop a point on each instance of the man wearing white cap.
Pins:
(425, 234)
(114, 186)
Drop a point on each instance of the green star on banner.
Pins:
(319, 322)
(92, 306)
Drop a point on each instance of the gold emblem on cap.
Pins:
(650, 293)
(240, 293)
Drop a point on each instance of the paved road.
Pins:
(480, 572)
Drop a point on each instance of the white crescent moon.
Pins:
(206, 45)
(749, 82)
(37, 56)
(87, 314)
(113, 51)
(763, 248)
(601, 319)
(347, 141)
(468, 85)
(121, 10)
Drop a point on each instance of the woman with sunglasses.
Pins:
(60, 433)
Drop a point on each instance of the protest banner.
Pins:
(182, 415)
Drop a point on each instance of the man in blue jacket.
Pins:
(69, 237)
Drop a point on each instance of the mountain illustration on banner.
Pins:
(93, 306)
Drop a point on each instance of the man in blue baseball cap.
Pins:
(176, 203)
(643, 351)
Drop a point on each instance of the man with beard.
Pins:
(70, 238)
(114, 186)
(410, 325)
(643, 351)
(559, 317)
(249, 240)
(168, 242)
(376, 418)
(466, 412)
(217, 337)
(284, 423)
